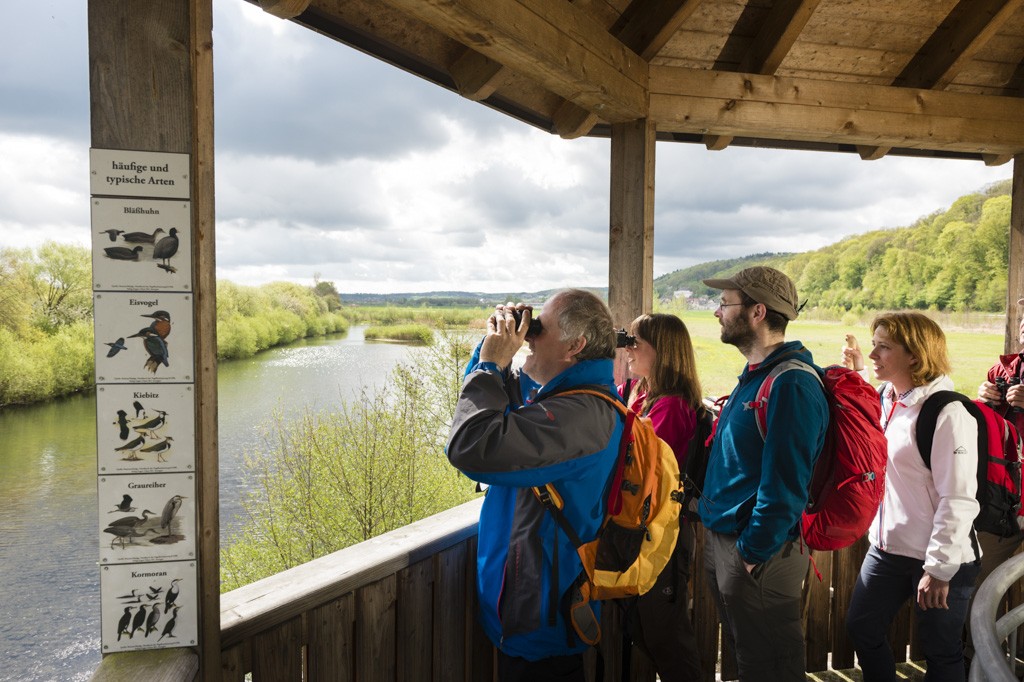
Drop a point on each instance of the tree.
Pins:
(332, 479)
(61, 284)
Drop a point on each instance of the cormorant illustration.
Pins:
(115, 347)
(139, 621)
(112, 233)
(130, 447)
(142, 237)
(155, 590)
(155, 346)
(122, 424)
(123, 252)
(150, 425)
(171, 596)
(133, 596)
(122, 625)
(168, 514)
(152, 620)
(165, 249)
(139, 410)
(125, 505)
(161, 448)
(169, 626)
(161, 322)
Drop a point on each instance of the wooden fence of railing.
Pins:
(401, 607)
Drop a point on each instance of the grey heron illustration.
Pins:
(129, 532)
(125, 505)
(169, 512)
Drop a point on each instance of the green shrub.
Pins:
(414, 333)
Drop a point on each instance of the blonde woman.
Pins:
(667, 391)
(923, 545)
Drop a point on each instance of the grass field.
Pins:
(972, 352)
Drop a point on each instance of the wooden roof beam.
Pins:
(284, 9)
(646, 26)
(555, 44)
(705, 102)
(966, 29)
(476, 76)
(781, 28)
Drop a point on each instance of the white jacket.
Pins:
(929, 514)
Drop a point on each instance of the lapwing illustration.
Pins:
(130, 447)
(139, 410)
(162, 448)
(122, 424)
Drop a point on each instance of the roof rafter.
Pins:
(647, 25)
(770, 46)
(966, 29)
(555, 44)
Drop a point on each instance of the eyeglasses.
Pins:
(726, 305)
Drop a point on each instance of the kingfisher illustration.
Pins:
(115, 347)
(155, 346)
(161, 322)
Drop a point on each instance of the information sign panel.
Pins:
(141, 244)
(143, 337)
(147, 518)
(145, 428)
(149, 606)
(124, 173)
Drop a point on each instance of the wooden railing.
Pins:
(402, 607)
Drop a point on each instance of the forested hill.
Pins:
(950, 260)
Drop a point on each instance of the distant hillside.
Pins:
(456, 298)
(950, 260)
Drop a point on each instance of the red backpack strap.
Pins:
(760, 402)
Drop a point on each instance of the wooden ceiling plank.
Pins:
(476, 76)
(555, 43)
(955, 42)
(996, 159)
(780, 30)
(646, 26)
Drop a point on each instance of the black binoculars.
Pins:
(1002, 384)
(622, 337)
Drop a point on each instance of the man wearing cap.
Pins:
(756, 488)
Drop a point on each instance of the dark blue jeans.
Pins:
(885, 583)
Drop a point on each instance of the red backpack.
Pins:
(848, 480)
(999, 460)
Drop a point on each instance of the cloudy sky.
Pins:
(332, 163)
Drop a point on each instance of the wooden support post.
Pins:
(1015, 269)
(151, 89)
(631, 245)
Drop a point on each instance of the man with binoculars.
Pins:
(513, 430)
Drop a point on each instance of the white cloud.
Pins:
(331, 162)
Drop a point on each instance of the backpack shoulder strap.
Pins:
(760, 403)
(929, 417)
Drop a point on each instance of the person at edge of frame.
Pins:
(756, 488)
(527, 568)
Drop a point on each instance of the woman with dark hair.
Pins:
(667, 391)
(923, 545)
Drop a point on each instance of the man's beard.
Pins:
(739, 333)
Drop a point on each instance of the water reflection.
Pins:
(49, 594)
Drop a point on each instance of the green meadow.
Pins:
(972, 350)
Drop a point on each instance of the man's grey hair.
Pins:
(582, 313)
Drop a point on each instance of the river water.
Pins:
(49, 574)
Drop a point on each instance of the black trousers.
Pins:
(554, 669)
